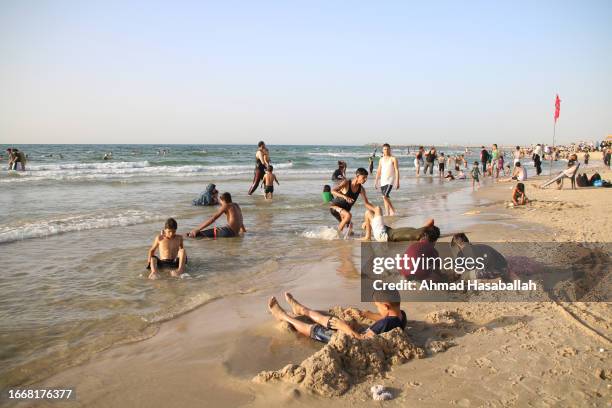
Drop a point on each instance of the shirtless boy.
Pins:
(345, 194)
(387, 317)
(234, 226)
(269, 180)
(172, 255)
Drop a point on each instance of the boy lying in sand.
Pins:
(374, 226)
(388, 317)
(172, 255)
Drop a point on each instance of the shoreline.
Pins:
(215, 361)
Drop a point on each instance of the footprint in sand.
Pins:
(567, 352)
(454, 370)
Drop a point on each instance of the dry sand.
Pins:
(479, 354)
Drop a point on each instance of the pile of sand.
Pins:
(345, 361)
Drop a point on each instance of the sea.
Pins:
(75, 230)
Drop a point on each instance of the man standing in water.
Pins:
(430, 160)
(387, 175)
(262, 161)
(234, 226)
(345, 194)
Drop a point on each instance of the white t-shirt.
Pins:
(387, 171)
(379, 230)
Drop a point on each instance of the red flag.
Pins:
(557, 107)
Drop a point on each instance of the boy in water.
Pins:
(345, 194)
(269, 180)
(475, 173)
(387, 176)
(387, 317)
(234, 221)
(441, 163)
(172, 254)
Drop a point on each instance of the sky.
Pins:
(304, 72)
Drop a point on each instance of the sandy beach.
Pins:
(542, 354)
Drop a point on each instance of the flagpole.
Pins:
(552, 151)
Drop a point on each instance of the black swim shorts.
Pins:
(216, 232)
(320, 333)
(386, 190)
(165, 263)
(269, 189)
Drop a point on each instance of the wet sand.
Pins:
(503, 354)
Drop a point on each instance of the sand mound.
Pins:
(345, 361)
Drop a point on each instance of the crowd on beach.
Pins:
(167, 252)
(341, 197)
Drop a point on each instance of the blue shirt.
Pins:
(389, 323)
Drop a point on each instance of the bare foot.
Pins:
(296, 307)
(153, 276)
(429, 223)
(275, 309)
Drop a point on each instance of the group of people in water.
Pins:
(341, 198)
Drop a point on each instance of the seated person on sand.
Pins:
(375, 227)
(172, 255)
(449, 175)
(518, 195)
(423, 248)
(495, 264)
(387, 317)
(234, 221)
(519, 173)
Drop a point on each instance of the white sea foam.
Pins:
(124, 170)
(325, 233)
(45, 228)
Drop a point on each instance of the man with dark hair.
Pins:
(172, 254)
(387, 176)
(430, 160)
(484, 158)
(234, 225)
(345, 194)
(495, 265)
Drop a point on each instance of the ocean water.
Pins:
(75, 230)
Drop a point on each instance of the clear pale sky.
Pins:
(304, 72)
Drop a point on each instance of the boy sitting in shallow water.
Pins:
(387, 317)
(172, 255)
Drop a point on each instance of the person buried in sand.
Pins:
(172, 254)
(234, 221)
(345, 194)
(387, 317)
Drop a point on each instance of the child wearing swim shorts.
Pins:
(387, 317)
(475, 173)
(172, 254)
(269, 180)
